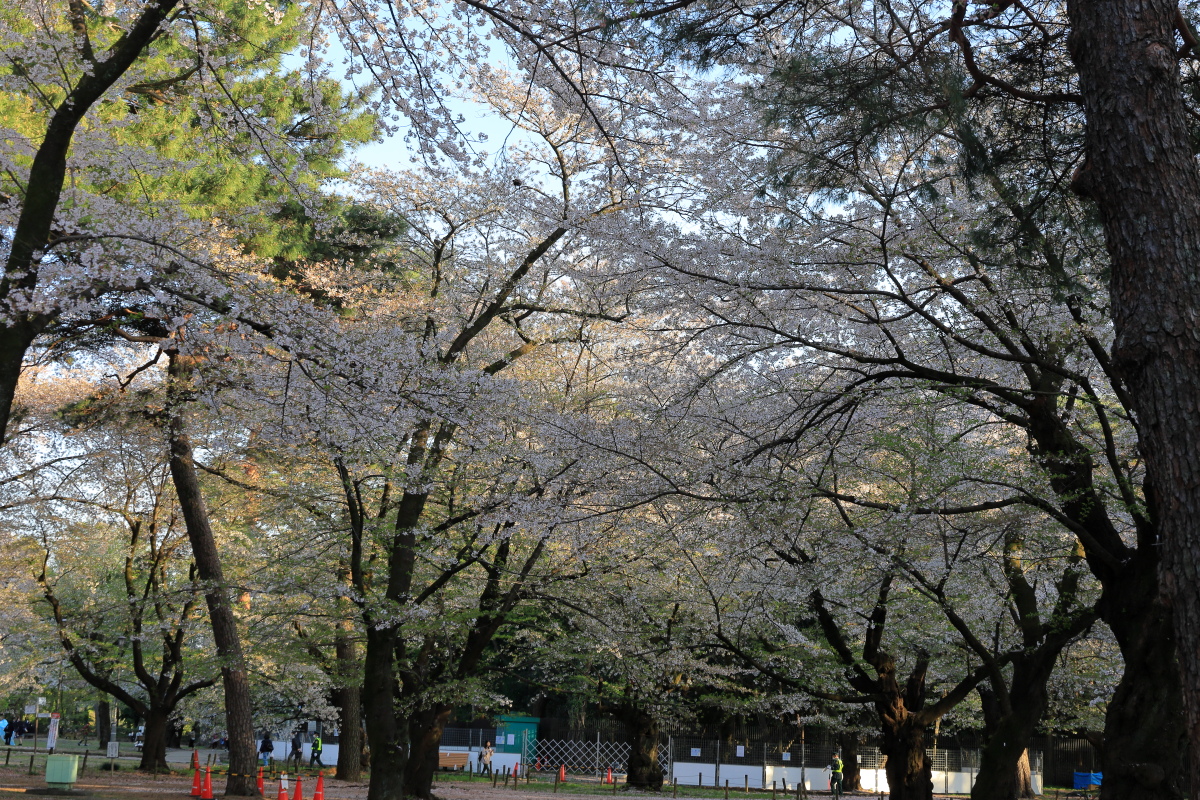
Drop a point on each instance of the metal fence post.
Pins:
(671, 758)
(803, 759)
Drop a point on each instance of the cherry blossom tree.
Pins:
(1062, 92)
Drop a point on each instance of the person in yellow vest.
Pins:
(316, 751)
(835, 775)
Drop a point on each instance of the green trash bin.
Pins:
(61, 771)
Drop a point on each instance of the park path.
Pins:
(136, 786)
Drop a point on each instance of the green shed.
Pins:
(513, 730)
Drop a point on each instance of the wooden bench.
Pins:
(454, 761)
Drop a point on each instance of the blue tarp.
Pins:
(1085, 779)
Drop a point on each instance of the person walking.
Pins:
(835, 775)
(5, 731)
(485, 758)
(317, 746)
(20, 730)
(297, 753)
(265, 748)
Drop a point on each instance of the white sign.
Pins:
(52, 733)
(43, 715)
(695, 752)
(114, 749)
(512, 738)
(741, 751)
(787, 756)
(41, 701)
(30, 709)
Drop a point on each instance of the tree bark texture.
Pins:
(154, 741)
(1004, 772)
(1141, 173)
(642, 733)
(348, 700)
(425, 736)
(239, 712)
(389, 748)
(104, 722)
(851, 773)
(909, 772)
(1145, 742)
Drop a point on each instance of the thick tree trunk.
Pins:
(641, 731)
(425, 736)
(154, 741)
(1144, 734)
(239, 720)
(388, 740)
(1141, 172)
(909, 773)
(1005, 776)
(1024, 780)
(1004, 772)
(348, 700)
(851, 775)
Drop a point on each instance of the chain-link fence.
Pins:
(583, 758)
(467, 737)
(715, 762)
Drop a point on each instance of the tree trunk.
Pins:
(1141, 172)
(1003, 777)
(348, 694)
(15, 339)
(851, 774)
(1144, 735)
(1024, 777)
(104, 722)
(154, 741)
(641, 731)
(909, 773)
(348, 700)
(425, 735)
(239, 719)
(389, 748)
(1004, 772)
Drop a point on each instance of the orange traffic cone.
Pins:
(608, 779)
(319, 792)
(207, 793)
(261, 789)
(562, 774)
(283, 787)
(196, 784)
(195, 759)
(299, 794)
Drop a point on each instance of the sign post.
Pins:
(41, 701)
(52, 733)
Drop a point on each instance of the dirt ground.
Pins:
(136, 786)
